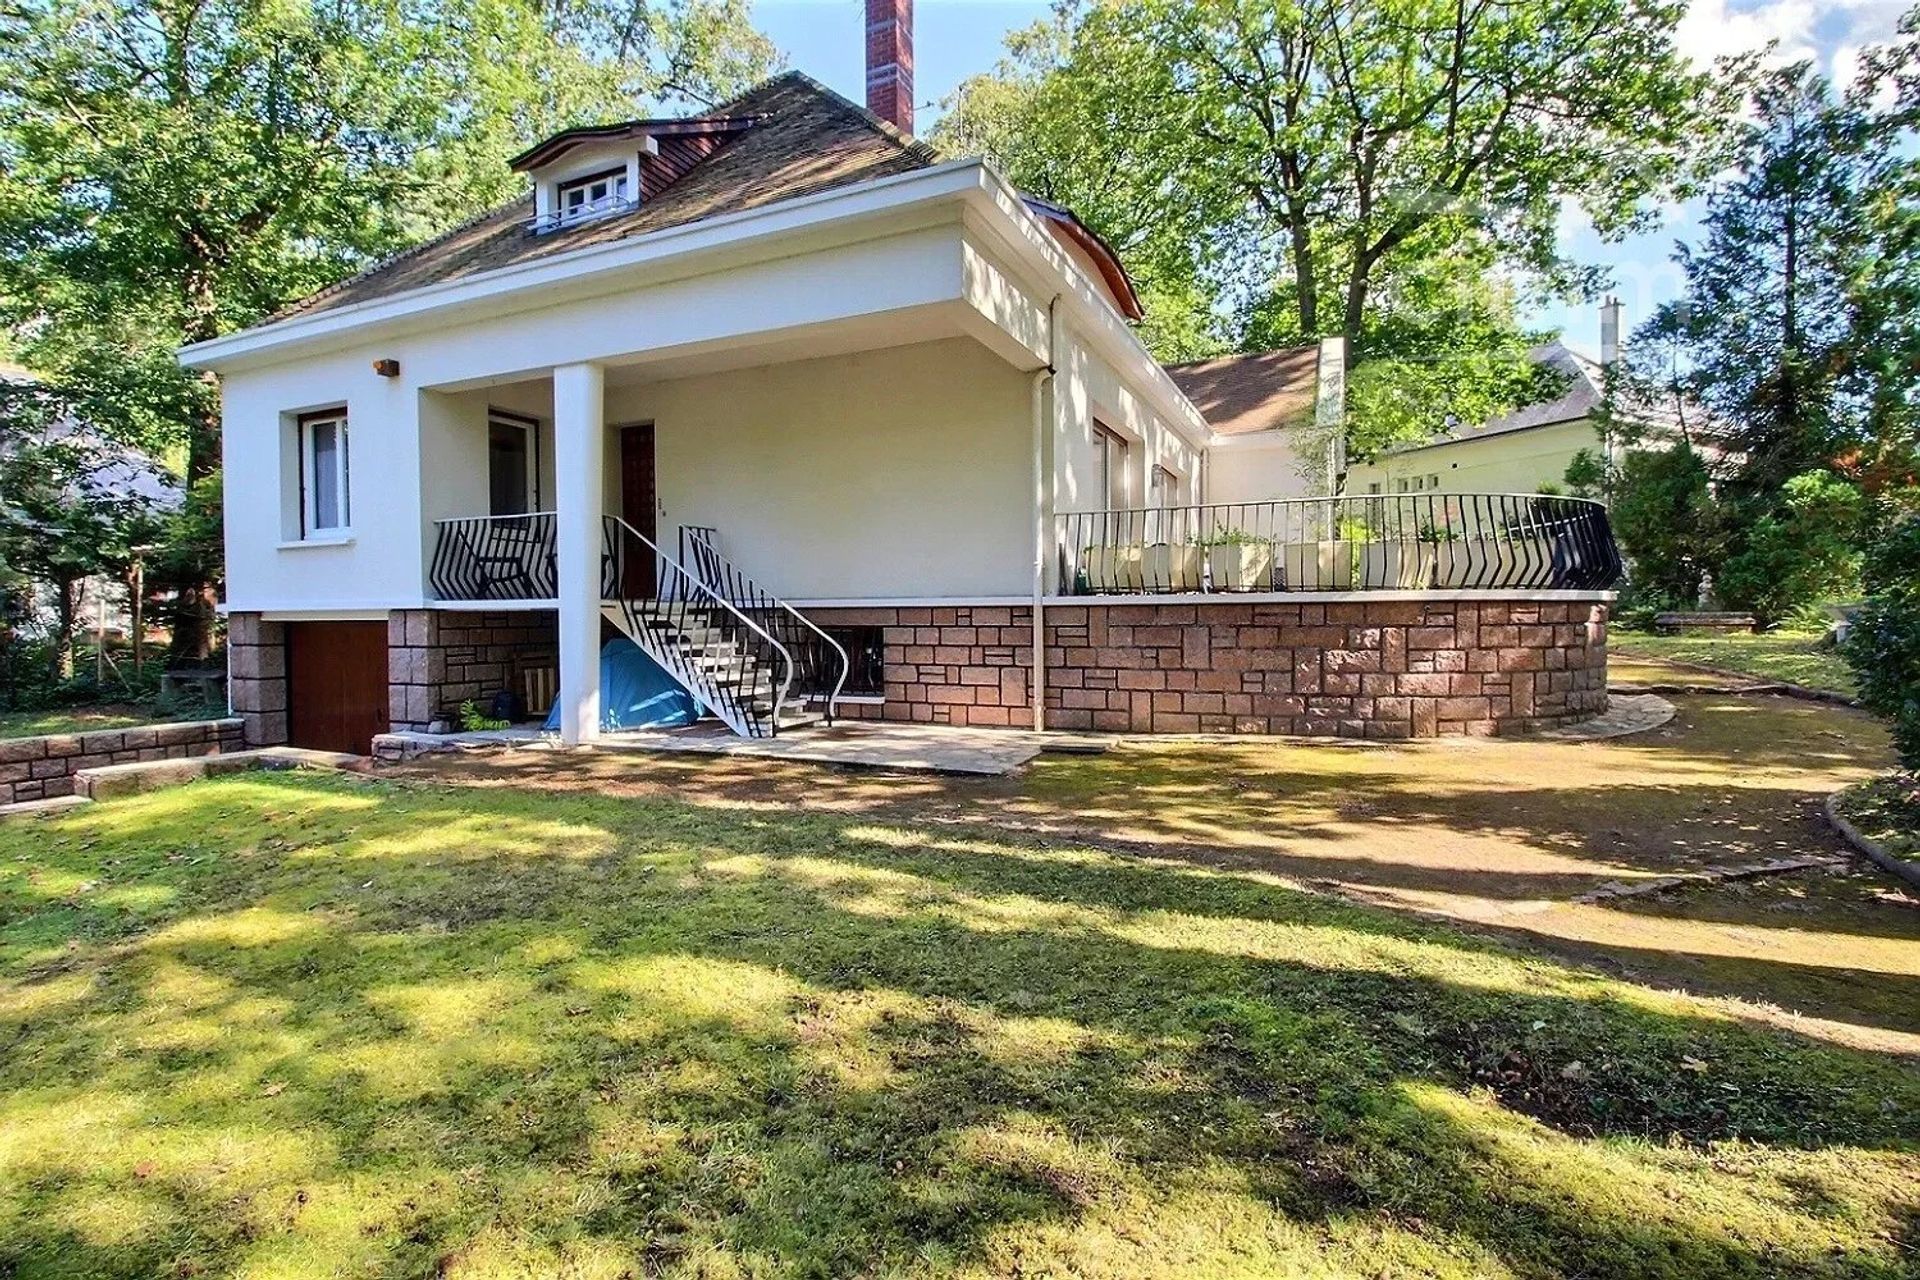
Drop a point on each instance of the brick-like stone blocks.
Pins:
(438, 659)
(1358, 669)
(43, 767)
(257, 677)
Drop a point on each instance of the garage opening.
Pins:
(336, 685)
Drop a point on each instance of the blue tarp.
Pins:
(636, 692)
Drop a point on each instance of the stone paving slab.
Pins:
(1626, 713)
(869, 744)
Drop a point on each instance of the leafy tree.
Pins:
(62, 519)
(174, 169)
(1883, 643)
(1780, 339)
(1805, 548)
(1317, 166)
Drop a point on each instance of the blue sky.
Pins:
(954, 39)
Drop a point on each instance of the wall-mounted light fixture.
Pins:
(387, 368)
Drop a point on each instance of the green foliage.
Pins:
(1805, 549)
(1883, 643)
(1586, 475)
(174, 169)
(474, 720)
(1667, 521)
(1789, 352)
(1319, 168)
(65, 515)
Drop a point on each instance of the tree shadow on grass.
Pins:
(496, 1035)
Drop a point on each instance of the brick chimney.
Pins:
(890, 62)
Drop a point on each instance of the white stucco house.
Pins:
(824, 422)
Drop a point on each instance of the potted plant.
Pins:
(1456, 560)
(1110, 568)
(1170, 566)
(1238, 560)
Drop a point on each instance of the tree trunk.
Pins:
(66, 608)
(194, 600)
(136, 581)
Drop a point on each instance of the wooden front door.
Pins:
(336, 685)
(638, 507)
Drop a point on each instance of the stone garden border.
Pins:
(1871, 849)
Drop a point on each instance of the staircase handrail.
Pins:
(717, 694)
(705, 544)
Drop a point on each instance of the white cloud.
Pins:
(1716, 29)
(1829, 32)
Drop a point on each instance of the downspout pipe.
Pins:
(1043, 380)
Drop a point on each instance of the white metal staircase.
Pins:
(728, 642)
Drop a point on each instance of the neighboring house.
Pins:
(1526, 451)
(1277, 418)
(104, 606)
(802, 408)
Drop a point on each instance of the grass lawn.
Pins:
(288, 1025)
(1793, 656)
(1887, 811)
(31, 724)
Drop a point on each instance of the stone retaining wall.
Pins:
(968, 665)
(1360, 669)
(440, 658)
(43, 767)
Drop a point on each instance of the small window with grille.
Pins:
(866, 659)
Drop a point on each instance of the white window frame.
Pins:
(1163, 486)
(615, 196)
(1113, 466)
(530, 428)
(310, 513)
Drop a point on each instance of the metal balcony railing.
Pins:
(495, 558)
(1371, 542)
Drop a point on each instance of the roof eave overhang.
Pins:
(805, 214)
(1112, 272)
(968, 181)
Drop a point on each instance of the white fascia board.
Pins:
(1021, 234)
(416, 307)
(1257, 441)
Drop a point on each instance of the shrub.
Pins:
(1883, 644)
(1668, 523)
(1805, 549)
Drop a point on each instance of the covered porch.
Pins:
(701, 504)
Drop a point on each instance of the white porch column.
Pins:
(579, 459)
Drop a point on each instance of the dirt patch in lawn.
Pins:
(1500, 835)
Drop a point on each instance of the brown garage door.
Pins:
(336, 684)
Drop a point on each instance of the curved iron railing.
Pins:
(495, 558)
(1370, 542)
(734, 667)
(821, 664)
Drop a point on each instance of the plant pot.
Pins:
(1112, 569)
(1169, 566)
(1319, 566)
(1494, 562)
(1241, 566)
(1396, 566)
(1459, 563)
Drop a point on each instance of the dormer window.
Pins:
(591, 172)
(592, 195)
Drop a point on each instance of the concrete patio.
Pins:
(863, 744)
